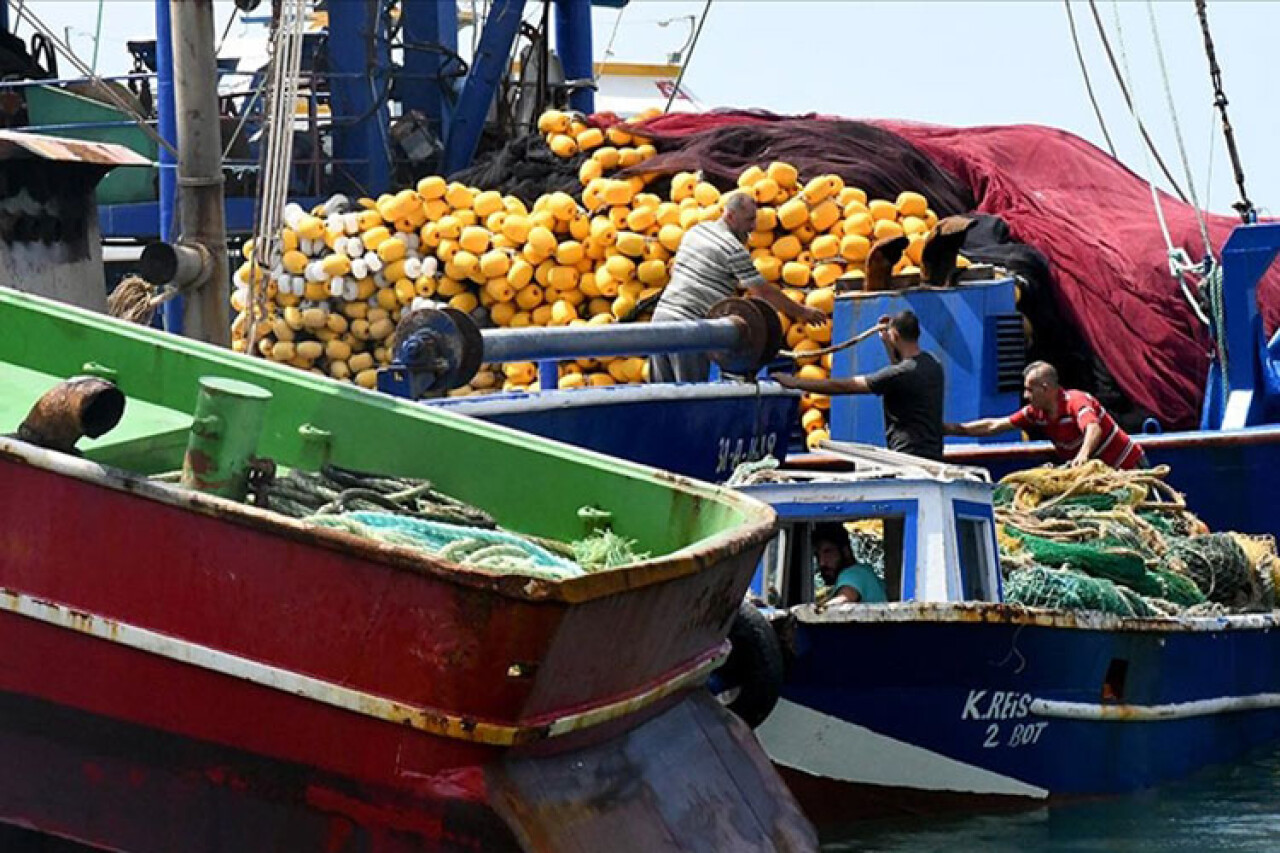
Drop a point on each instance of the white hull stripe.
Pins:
(1154, 713)
(427, 720)
(803, 739)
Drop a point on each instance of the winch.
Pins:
(438, 349)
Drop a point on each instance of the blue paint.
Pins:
(163, 226)
(573, 43)
(902, 692)
(487, 67)
(959, 326)
(661, 426)
(359, 62)
(1248, 253)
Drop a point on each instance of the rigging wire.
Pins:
(1179, 263)
(277, 156)
(1124, 90)
(1244, 206)
(1088, 84)
(1177, 132)
(693, 45)
(608, 51)
(226, 30)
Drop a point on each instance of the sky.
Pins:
(953, 62)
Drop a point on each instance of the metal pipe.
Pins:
(564, 342)
(72, 409)
(168, 129)
(179, 264)
(200, 201)
(573, 42)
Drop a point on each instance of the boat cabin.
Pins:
(927, 529)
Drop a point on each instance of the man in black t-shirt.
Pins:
(912, 386)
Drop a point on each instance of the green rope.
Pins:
(494, 550)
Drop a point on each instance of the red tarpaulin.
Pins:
(1094, 220)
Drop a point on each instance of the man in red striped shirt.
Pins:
(1074, 421)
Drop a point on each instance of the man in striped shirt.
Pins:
(711, 264)
(1074, 421)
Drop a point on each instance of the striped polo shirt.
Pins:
(710, 265)
(1076, 410)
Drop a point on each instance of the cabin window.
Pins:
(774, 565)
(875, 543)
(976, 570)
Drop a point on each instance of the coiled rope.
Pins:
(1123, 542)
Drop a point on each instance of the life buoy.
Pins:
(750, 681)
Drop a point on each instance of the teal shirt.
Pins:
(865, 581)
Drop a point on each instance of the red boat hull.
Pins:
(182, 673)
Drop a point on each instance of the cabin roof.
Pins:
(25, 146)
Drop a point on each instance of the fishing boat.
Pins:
(183, 669)
(947, 698)
(976, 333)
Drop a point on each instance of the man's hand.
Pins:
(1077, 461)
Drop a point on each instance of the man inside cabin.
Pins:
(912, 385)
(1074, 421)
(711, 264)
(848, 579)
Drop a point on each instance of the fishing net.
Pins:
(411, 513)
(1123, 542)
(722, 146)
(525, 168)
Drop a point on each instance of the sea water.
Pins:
(1233, 807)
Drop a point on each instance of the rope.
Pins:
(684, 66)
(1244, 206)
(97, 37)
(856, 339)
(1212, 287)
(277, 156)
(608, 51)
(1122, 542)
(1177, 130)
(1179, 262)
(132, 300)
(1084, 71)
(334, 490)
(1124, 90)
(495, 550)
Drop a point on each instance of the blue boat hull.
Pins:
(701, 431)
(948, 706)
(1228, 476)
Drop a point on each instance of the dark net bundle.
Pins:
(874, 160)
(1218, 566)
(525, 168)
(1066, 589)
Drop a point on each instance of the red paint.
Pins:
(416, 637)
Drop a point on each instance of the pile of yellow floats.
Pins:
(344, 276)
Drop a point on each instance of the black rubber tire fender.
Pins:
(755, 667)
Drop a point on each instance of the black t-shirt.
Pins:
(912, 390)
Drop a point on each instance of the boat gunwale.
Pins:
(1002, 613)
(685, 561)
